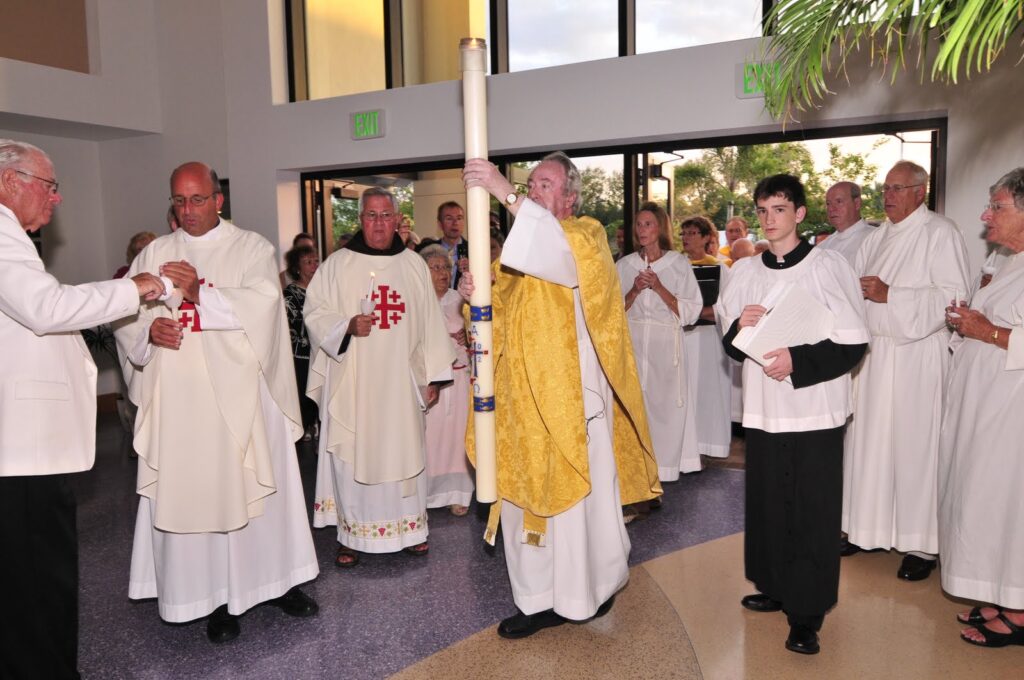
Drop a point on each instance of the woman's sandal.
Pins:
(458, 510)
(994, 638)
(975, 617)
(419, 550)
(346, 558)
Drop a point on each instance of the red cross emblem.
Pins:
(389, 307)
(189, 316)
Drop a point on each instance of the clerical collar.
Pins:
(359, 245)
(211, 235)
(793, 257)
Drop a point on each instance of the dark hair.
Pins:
(444, 206)
(293, 257)
(701, 223)
(300, 236)
(787, 186)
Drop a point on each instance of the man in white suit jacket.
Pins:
(47, 421)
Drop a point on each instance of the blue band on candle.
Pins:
(480, 313)
(483, 404)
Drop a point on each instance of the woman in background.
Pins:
(449, 480)
(300, 264)
(661, 297)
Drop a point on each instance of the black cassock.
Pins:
(794, 488)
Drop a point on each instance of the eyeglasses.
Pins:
(439, 267)
(51, 184)
(996, 207)
(898, 187)
(195, 200)
(382, 216)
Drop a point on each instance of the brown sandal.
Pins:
(346, 558)
(419, 550)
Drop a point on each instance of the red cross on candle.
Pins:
(390, 307)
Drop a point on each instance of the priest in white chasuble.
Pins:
(221, 524)
(911, 267)
(572, 441)
(379, 346)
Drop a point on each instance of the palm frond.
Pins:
(813, 40)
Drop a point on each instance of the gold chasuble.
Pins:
(204, 458)
(542, 456)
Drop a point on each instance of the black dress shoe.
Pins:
(759, 602)
(522, 625)
(296, 603)
(846, 548)
(222, 626)
(605, 607)
(914, 568)
(802, 640)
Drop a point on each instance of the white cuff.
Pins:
(215, 313)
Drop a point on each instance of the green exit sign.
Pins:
(367, 124)
(752, 76)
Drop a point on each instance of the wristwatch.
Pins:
(511, 199)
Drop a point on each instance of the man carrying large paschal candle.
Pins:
(572, 438)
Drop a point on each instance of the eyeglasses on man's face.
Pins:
(996, 207)
(373, 216)
(439, 267)
(898, 187)
(195, 200)
(51, 184)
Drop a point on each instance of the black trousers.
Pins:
(794, 504)
(38, 578)
(307, 407)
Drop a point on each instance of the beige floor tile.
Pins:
(640, 638)
(881, 628)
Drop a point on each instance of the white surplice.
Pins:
(657, 334)
(891, 451)
(190, 431)
(585, 557)
(981, 470)
(709, 376)
(370, 477)
(848, 241)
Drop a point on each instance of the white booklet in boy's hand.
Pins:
(794, 317)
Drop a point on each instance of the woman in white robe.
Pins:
(981, 471)
(661, 296)
(708, 369)
(449, 480)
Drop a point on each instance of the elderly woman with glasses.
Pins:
(981, 471)
(449, 481)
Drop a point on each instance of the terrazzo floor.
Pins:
(433, 617)
(375, 619)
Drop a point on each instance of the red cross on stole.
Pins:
(389, 308)
(188, 316)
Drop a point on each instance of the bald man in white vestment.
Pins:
(911, 267)
(843, 206)
(222, 524)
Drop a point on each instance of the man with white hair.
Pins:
(48, 408)
(910, 268)
(378, 353)
(565, 373)
(842, 204)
